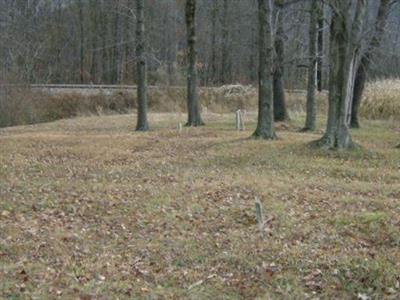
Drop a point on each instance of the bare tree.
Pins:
(280, 110)
(346, 26)
(361, 75)
(225, 63)
(311, 116)
(194, 117)
(265, 124)
(213, 64)
(142, 123)
(81, 42)
(320, 45)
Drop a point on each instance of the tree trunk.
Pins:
(81, 43)
(361, 75)
(225, 67)
(265, 123)
(253, 55)
(344, 57)
(359, 85)
(320, 45)
(142, 123)
(94, 40)
(171, 52)
(280, 110)
(194, 118)
(104, 49)
(213, 67)
(312, 65)
(116, 42)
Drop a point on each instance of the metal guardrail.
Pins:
(103, 87)
(127, 87)
(83, 86)
(123, 87)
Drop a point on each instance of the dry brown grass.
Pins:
(89, 209)
(226, 99)
(21, 106)
(382, 100)
(26, 107)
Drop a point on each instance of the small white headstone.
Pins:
(239, 120)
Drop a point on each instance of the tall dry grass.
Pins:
(19, 106)
(381, 100)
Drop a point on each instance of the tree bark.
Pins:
(311, 116)
(253, 55)
(142, 123)
(116, 49)
(171, 52)
(280, 110)
(225, 66)
(194, 117)
(359, 85)
(94, 40)
(81, 43)
(104, 49)
(213, 68)
(265, 123)
(361, 75)
(344, 57)
(320, 45)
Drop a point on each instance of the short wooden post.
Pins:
(259, 214)
(179, 127)
(239, 120)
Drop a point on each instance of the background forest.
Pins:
(93, 41)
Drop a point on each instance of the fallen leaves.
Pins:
(86, 213)
(314, 280)
(200, 282)
(5, 213)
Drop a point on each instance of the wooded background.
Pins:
(93, 41)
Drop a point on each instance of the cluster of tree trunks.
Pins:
(194, 117)
(348, 64)
(347, 74)
(344, 58)
(361, 74)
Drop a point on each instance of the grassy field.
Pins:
(90, 209)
